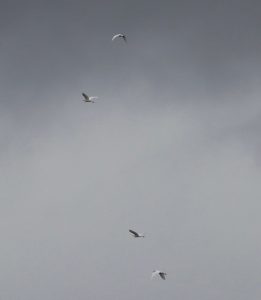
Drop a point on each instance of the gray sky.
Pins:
(171, 148)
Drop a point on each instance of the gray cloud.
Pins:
(171, 148)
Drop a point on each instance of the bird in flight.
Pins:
(120, 35)
(88, 99)
(136, 234)
(159, 273)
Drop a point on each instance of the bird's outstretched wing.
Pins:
(134, 233)
(125, 39)
(85, 96)
(115, 37)
(162, 275)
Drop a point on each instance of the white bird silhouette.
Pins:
(88, 99)
(120, 35)
(158, 273)
(136, 234)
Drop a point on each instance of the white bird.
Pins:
(136, 234)
(120, 35)
(88, 99)
(158, 273)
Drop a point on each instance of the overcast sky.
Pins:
(171, 148)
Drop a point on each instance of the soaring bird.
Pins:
(158, 273)
(136, 234)
(88, 99)
(120, 35)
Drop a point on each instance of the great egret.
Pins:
(136, 234)
(159, 273)
(120, 35)
(88, 99)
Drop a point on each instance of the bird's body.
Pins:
(88, 99)
(119, 35)
(136, 234)
(159, 273)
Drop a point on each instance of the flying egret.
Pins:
(136, 234)
(159, 273)
(88, 99)
(120, 35)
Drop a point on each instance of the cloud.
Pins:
(170, 149)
